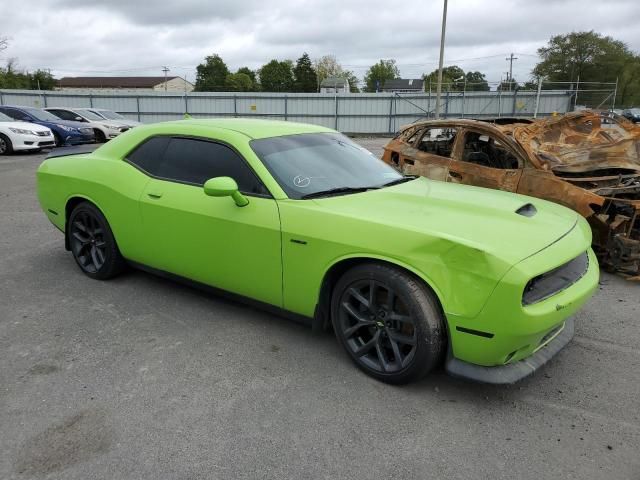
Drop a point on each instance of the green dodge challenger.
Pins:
(297, 218)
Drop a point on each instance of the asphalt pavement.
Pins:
(142, 378)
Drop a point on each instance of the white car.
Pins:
(103, 129)
(111, 115)
(19, 136)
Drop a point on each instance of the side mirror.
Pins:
(79, 119)
(225, 187)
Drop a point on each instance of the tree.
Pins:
(379, 73)
(305, 78)
(238, 82)
(12, 77)
(326, 67)
(476, 82)
(211, 75)
(277, 76)
(589, 57)
(252, 75)
(452, 79)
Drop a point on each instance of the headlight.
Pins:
(111, 127)
(22, 132)
(66, 129)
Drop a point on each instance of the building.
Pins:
(404, 85)
(335, 85)
(135, 84)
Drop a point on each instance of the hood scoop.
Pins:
(527, 210)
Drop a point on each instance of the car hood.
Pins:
(482, 219)
(24, 126)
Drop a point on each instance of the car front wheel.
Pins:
(5, 145)
(389, 322)
(92, 243)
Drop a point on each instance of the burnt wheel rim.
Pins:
(87, 242)
(377, 326)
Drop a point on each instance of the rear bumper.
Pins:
(512, 372)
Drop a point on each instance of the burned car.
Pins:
(588, 161)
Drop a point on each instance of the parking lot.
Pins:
(143, 378)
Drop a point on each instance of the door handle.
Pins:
(155, 194)
(454, 174)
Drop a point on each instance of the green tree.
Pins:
(238, 82)
(589, 57)
(277, 76)
(379, 73)
(476, 82)
(305, 78)
(211, 75)
(252, 75)
(452, 79)
(12, 77)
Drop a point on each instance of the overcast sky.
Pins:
(137, 37)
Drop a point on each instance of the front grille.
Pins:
(44, 134)
(548, 284)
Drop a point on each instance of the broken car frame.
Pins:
(588, 161)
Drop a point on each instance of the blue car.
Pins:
(65, 132)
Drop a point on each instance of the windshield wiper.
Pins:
(335, 191)
(397, 181)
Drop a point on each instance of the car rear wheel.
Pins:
(389, 322)
(92, 243)
(6, 146)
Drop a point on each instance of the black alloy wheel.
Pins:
(92, 243)
(389, 322)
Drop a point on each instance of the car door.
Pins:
(429, 153)
(485, 160)
(207, 239)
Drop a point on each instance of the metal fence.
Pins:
(370, 113)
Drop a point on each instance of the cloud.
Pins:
(127, 37)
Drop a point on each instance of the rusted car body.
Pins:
(588, 161)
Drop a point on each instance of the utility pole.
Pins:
(165, 69)
(511, 58)
(439, 87)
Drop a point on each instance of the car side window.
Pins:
(196, 161)
(63, 114)
(438, 141)
(15, 114)
(486, 151)
(148, 155)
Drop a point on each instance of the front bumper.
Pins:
(506, 331)
(511, 372)
(23, 142)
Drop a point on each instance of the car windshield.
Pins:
(5, 118)
(634, 111)
(108, 114)
(309, 164)
(42, 115)
(88, 114)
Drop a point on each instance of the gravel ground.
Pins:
(142, 378)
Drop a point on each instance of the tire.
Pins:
(6, 147)
(410, 318)
(100, 137)
(57, 140)
(92, 243)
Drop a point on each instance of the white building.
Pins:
(334, 85)
(134, 84)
